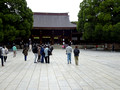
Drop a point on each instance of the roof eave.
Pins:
(54, 28)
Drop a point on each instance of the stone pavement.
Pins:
(97, 70)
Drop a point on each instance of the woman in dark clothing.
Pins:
(42, 54)
(35, 51)
(25, 52)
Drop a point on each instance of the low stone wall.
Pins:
(116, 46)
(100, 47)
(81, 46)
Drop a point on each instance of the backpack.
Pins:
(35, 50)
(49, 52)
(76, 52)
(6, 51)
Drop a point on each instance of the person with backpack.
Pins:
(76, 54)
(25, 52)
(35, 51)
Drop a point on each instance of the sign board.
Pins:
(46, 37)
(36, 37)
(55, 37)
(74, 38)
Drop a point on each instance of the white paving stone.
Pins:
(97, 70)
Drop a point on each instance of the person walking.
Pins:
(76, 54)
(25, 52)
(5, 52)
(1, 56)
(14, 48)
(35, 51)
(68, 52)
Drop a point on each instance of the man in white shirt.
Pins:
(46, 54)
(68, 52)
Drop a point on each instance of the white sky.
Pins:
(56, 6)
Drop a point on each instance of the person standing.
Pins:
(96, 47)
(25, 52)
(39, 55)
(5, 52)
(68, 52)
(14, 50)
(112, 47)
(1, 55)
(76, 54)
(30, 47)
(20, 45)
(35, 51)
(46, 54)
(42, 54)
(51, 48)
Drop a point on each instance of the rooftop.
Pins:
(52, 20)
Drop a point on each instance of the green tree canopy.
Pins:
(16, 20)
(99, 20)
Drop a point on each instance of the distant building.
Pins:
(53, 28)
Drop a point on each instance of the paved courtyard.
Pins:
(97, 70)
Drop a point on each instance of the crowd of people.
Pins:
(41, 53)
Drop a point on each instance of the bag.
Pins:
(35, 50)
(6, 51)
(49, 52)
(76, 52)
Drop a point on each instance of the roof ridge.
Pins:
(47, 13)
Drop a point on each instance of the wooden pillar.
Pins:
(52, 37)
(63, 38)
(40, 37)
(71, 36)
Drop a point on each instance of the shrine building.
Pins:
(53, 28)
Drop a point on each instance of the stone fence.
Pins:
(99, 47)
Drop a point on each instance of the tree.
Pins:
(16, 20)
(99, 20)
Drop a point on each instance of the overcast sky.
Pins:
(56, 6)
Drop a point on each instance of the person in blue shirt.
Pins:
(14, 48)
(46, 54)
(42, 54)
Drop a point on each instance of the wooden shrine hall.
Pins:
(53, 28)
